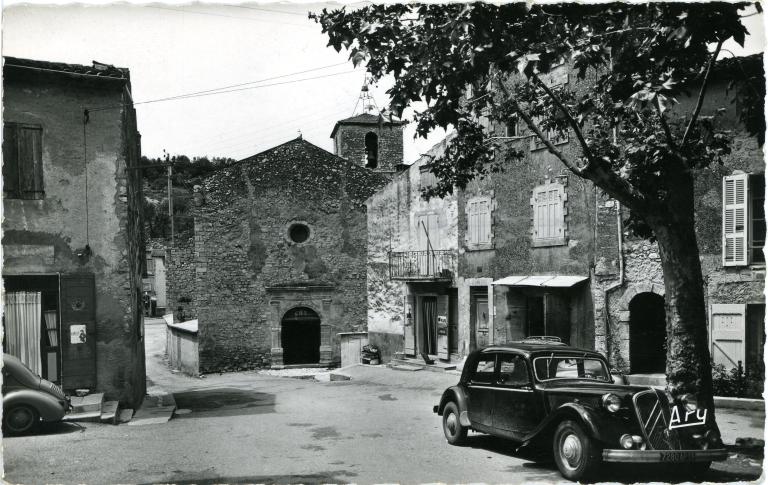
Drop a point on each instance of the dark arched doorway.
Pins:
(647, 334)
(300, 333)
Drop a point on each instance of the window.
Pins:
(513, 371)
(556, 78)
(548, 204)
(743, 219)
(484, 370)
(22, 161)
(427, 232)
(479, 223)
(298, 233)
(150, 262)
(567, 367)
(371, 150)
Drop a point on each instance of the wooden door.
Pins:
(482, 321)
(78, 331)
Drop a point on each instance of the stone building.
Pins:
(280, 255)
(730, 229)
(497, 261)
(535, 250)
(373, 141)
(72, 229)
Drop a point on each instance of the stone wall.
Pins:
(180, 280)
(248, 270)
(56, 224)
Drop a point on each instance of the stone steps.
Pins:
(92, 408)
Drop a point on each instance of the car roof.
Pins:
(533, 349)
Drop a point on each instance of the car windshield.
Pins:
(570, 367)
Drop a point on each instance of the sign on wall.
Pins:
(77, 334)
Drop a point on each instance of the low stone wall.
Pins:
(181, 347)
(389, 344)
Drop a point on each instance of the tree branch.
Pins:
(664, 125)
(702, 92)
(571, 122)
(528, 121)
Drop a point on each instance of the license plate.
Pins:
(676, 456)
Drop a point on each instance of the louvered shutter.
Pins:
(483, 222)
(538, 212)
(735, 198)
(10, 160)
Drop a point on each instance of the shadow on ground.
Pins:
(225, 401)
(339, 476)
(736, 468)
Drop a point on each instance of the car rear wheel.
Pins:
(20, 419)
(455, 433)
(576, 454)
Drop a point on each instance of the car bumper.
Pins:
(664, 456)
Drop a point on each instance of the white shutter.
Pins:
(727, 327)
(483, 222)
(472, 222)
(735, 203)
(538, 212)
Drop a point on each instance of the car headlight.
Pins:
(689, 401)
(611, 402)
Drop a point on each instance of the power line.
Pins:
(223, 91)
(308, 25)
(270, 10)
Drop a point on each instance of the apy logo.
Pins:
(699, 417)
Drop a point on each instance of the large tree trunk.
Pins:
(688, 362)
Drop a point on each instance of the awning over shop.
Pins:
(542, 281)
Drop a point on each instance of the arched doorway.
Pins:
(300, 333)
(647, 334)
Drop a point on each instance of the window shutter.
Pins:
(735, 220)
(727, 323)
(10, 160)
(484, 222)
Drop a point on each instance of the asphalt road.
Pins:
(247, 427)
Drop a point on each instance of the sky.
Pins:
(175, 49)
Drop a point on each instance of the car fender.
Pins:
(48, 407)
(457, 395)
(584, 415)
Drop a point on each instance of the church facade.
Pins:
(280, 249)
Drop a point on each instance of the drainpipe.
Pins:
(620, 282)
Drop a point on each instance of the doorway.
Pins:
(647, 334)
(428, 325)
(300, 333)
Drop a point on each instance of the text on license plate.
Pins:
(675, 456)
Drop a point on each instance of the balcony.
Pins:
(422, 265)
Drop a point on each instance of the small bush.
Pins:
(735, 382)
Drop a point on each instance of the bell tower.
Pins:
(368, 138)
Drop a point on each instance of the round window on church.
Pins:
(298, 233)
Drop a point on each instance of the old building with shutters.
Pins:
(535, 250)
(730, 229)
(72, 230)
(280, 251)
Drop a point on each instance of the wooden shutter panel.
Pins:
(735, 201)
(538, 212)
(10, 160)
(727, 322)
(483, 222)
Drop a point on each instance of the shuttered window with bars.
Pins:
(22, 161)
(548, 203)
(479, 223)
(743, 219)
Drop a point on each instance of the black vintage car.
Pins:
(541, 392)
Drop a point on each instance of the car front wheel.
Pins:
(455, 433)
(576, 454)
(20, 419)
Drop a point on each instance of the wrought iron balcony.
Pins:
(422, 265)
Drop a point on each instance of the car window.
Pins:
(484, 369)
(569, 367)
(513, 371)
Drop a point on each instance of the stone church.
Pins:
(280, 248)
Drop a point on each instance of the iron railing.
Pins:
(422, 265)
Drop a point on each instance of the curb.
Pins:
(739, 403)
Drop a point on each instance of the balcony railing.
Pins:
(422, 265)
